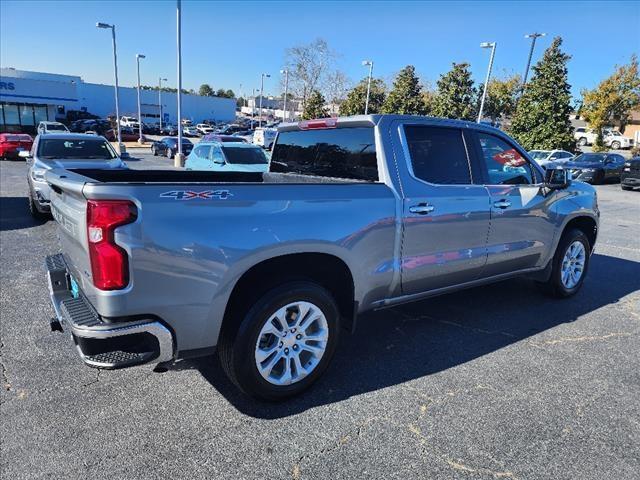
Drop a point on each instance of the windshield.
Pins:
(590, 157)
(245, 155)
(56, 126)
(539, 154)
(59, 148)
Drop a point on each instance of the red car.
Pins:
(126, 134)
(12, 143)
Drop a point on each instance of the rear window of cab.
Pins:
(334, 152)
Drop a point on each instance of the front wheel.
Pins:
(283, 343)
(582, 141)
(33, 209)
(626, 187)
(569, 265)
(615, 145)
(154, 151)
(169, 153)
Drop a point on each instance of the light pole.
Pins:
(178, 160)
(492, 46)
(261, 95)
(115, 72)
(368, 63)
(533, 37)
(253, 106)
(160, 80)
(286, 90)
(138, 57)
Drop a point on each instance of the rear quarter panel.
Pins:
(187, 255)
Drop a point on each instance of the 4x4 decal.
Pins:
(190, 195)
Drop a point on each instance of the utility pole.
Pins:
(121, 147)
(179, 157)
(138, 57)
(286, 89)
(492, 46)
(160, 79)
(370, 64)
(262, 95)
(533, 37)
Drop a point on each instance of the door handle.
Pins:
(502, 203)
(422, 209)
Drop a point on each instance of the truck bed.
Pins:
(191, 176)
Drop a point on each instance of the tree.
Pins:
(612, 100)
(240, 102)
(230, 94)
(308, 65)
(336, 86)
(357, 97)
(205, 90)
(501, 97)
(456, 95)
(314, 107)
(542, 118)
(406, 95)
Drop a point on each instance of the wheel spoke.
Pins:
(262, 355)
(286, 375)
(272, 363)
(320, 336)
(301, 372)
(280, 318)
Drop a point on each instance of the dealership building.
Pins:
(27, 98)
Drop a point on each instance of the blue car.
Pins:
(227, 157)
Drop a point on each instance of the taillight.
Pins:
(109, 262)
(322, 123)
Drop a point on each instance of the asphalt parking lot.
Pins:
(495, 382)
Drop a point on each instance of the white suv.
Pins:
(615, 140)
(52, 127)
(203, 128)
(584, 136)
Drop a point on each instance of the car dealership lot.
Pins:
(495, 382)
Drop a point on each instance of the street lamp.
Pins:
(286, 88)
(533, 37)
(253, 106)
(178, 160)
(368, 63)
(138, 57)
(115, 71)
(160, 80)
(492, 46)
(261, 95)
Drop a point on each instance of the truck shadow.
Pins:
(14, 214)
(404, 343)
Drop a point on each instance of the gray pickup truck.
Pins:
(355, 214)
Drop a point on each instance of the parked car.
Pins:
(596, 167)
(169, 147)
(204, 129)
(189, 131)
(229, 129)
(129, 122)
(246, 135)
(127, 134)
(545, 157)
(270, 269)
(615, 140)
(584, 136)
(264, 137)
(64, 150)
(51, 127)
(630, 177)
(11, 144)
(93, 125)
(214, 137)
(227, 157)
(169, 129)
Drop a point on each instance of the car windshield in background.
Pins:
(58, 148)
(56, 127)
(539, 154)
(590, 157)
(337, 152)
(245, 155)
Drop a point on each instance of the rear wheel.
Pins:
(169, 153)
(283, 343)
(615, 145)
(569, 265)
(582, 141)
(154, 151)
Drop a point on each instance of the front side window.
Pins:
(438, 155)
(203, 151)
(216, 154)
(504, 164)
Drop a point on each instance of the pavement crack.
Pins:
(476, 329)
(96, 380)
(6, 384)
(584, 338)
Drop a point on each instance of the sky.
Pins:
(226, 44)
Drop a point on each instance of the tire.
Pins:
(154, 151)
(35, 213)
(626, 187)
(556, 286)
(169, 153)
(615, 145)
(582, 141)
(238, 346)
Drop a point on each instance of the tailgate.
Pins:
(69, 208)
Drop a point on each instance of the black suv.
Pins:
(169, 146)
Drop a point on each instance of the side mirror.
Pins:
(24, 154)
(557, 178)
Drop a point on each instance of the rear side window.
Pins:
(438, 155)
(203, 151)
(339, 152)
(245, 155)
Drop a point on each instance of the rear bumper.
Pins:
(103, 344)
(630, 179)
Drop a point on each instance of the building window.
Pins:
(40, 113)
(11, 118)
